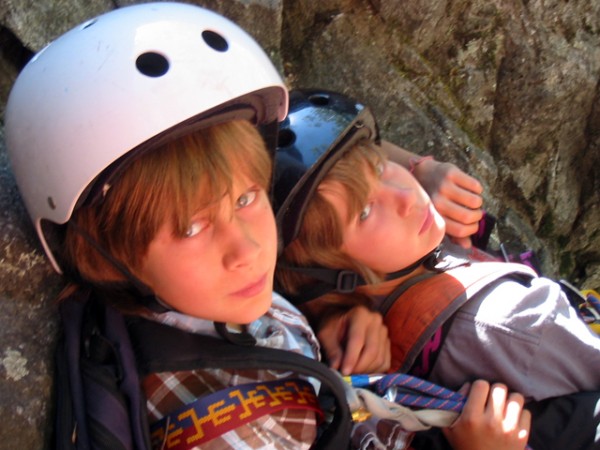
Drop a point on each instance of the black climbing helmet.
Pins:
(320, 127)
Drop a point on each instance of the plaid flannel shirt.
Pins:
(282, 327)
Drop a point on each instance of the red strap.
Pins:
(420, 310)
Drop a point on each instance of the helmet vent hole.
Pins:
(51, 203)
(215, 41)
(286, 138)
(319, 99)
(152, 64)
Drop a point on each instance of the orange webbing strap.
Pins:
(423, 307)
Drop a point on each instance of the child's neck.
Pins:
(386, 287)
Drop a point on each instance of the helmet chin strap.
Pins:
(429, 261)
(152, 301)
(346, 281)
(147, 297)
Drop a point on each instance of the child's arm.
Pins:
(492, 419)
(356, 341)
(456, 195)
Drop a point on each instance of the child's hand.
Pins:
(492, 419)
(456, 196)
(356, 342)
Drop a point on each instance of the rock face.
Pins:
(508, 90)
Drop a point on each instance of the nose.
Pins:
(240, 248)
(401, 199)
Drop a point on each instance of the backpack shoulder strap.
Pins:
(100, 403)
(423, 306)
(160, 348)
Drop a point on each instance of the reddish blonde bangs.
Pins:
(165, 186)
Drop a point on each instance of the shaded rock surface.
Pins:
(508, 90)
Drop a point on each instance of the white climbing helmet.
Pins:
(135, 75)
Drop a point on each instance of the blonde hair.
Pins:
(320, 237)
(164, 185)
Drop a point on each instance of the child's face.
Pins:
(222, 270)
(397, 226)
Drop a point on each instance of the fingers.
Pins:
(352, 347)
(356, 342)
(460, 208)
(476, 400)
(506, 410)
(467, 183)
(517, 420)
(449, 180)
(456, 196)
(512, 412)
(374, 355)
(491, 418)
(497, 402)
(330, 337)
(524, 426)
(460, 194)
(459, 229)
(367, 348)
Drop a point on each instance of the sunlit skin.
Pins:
(222, 269)
(356, 341)
(492, 418)
(455, 194)
(398, 225)
(457, 197)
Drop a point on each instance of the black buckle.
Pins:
(347, 281)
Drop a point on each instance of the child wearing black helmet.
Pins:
(359, 229)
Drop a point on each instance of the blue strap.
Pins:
(411, 391)
(416, 392)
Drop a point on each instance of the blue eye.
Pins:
(194, 229)
(247, 198)
(365, 213)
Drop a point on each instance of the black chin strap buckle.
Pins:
(347, 281)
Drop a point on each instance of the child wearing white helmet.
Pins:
(134, 139)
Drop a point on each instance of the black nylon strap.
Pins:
(343, 281)
(160, 348)
(147, 296)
